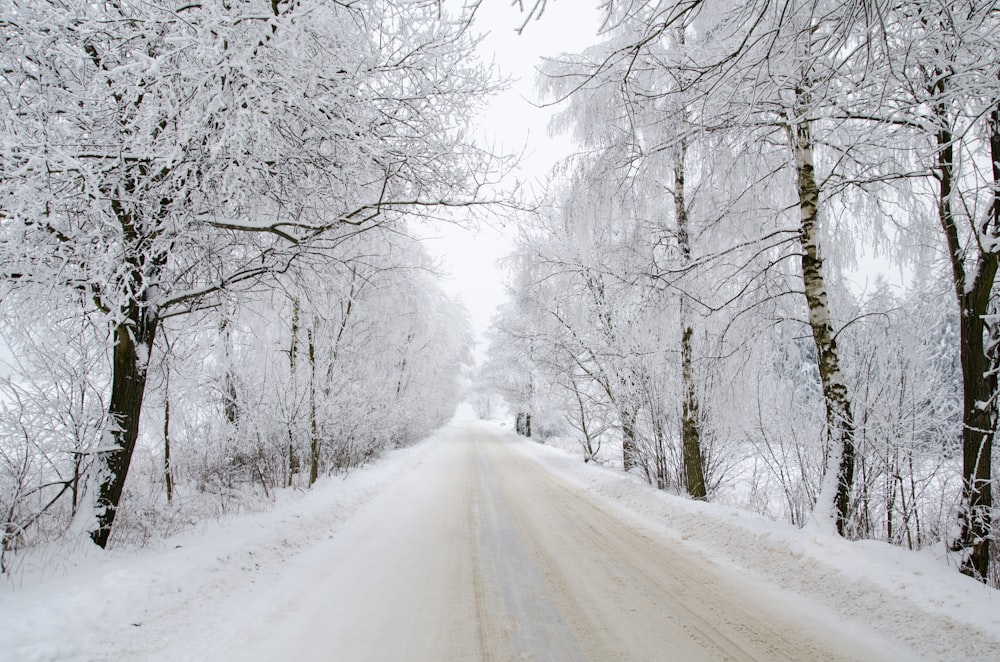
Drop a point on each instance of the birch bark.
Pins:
(690, 423)
(839, 475)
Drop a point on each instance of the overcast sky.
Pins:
(513, 124)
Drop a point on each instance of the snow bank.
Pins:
(913, 599)
(95, 594)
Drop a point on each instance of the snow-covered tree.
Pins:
(737, 158)
(155, 155)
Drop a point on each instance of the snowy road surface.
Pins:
(482, 554)
(478, 545)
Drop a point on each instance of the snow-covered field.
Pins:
(254, 572)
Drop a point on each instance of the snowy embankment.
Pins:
(911, 598)
(909, 601)
(57, 615)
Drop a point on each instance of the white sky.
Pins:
(513, 125)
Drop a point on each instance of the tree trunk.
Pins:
(840, 422)
(293, 459)
(133, 343)
(313, 424)
(229, 396)
(979, 384)
(168, 478)
(690, 423)
(133, 334)
(523, 424)
(630, 451)
(979, 380)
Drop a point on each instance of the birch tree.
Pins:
(764, 69)
(770, 68)
(646, 129)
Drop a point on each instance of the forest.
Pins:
(212, 288)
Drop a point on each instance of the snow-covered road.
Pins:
(482, 554)
(562, 578)
(479, 545)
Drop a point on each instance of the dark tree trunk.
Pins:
(523, 424)
(133, 332)
(313, 423)
(293, 459)
(167, 475)
(133, 344)
(229, 395)
(690, 423)
(978, 429)
(630, 451)
(979, 379)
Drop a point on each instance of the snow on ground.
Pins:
(892, 591)
(911, 599)
(55, 616)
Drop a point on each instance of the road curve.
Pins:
(481, 553)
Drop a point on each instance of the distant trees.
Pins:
(736, 157)
(158, 159)
(378, 360)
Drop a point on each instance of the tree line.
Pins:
(688, 291)
(208, 275)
